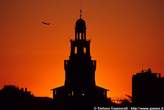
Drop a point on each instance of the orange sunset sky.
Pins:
(126, 36)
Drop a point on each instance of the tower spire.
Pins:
(80, 13)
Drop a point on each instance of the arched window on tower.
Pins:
(75, 51)
(72, 93)
(84, 50)
(81, 36)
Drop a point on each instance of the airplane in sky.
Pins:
(45, 23)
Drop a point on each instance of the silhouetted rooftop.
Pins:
(147, 74)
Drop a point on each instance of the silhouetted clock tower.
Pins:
(80, 72)
(80, 69)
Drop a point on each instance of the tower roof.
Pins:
(80, 25)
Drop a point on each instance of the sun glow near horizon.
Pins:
(126, 36)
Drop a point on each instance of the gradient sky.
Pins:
(126, 36)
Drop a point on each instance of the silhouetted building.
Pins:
(14, 98)
(80, 85)
(147, 89)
